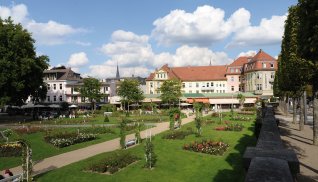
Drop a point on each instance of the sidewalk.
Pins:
(80, 154)
(301, 143)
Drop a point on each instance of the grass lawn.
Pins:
(174, 163)
(42, 149)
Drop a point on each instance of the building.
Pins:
(199, 79)
(63, 85)
(245, 74)
(252, 76)
(259, 74)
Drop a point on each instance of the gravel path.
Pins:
(301, 143)
(80, 154)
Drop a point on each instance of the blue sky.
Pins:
(93, 36)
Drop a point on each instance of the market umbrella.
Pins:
(73, 106)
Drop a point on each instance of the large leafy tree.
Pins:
(170, 91)
(130, 91)
(308, 49)
(91, 90)
(21, 70)
(292, 64)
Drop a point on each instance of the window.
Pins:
(232, 79)
(207, 84)
(264, 65)
(183, 85)
(48, 98)
(151, 92)
(48, 86)
(232, 88)
(240, 79)
(82, 99)
(223, 85)
(54, 86)
(223, 91)
(272, 65)
(158, 84)
(197, 91)
(272, 75)
(211, 84)
(259, 87)
(151, 84)
(190, 85)
(61, 98)
(197, 85)
(232, 70)
(61, 86)
(259, 76)
(216, 85)
(54, 98)
(236, 70)
(190, 91)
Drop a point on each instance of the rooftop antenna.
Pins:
(210, 62)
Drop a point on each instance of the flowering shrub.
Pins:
(113, 163)
(10, 150)
(177, 134)
(63, 140)
(207, 147)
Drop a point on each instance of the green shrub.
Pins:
(207, 147)
(108, 108)
(106, 119)
(112, 163)
(177, 134)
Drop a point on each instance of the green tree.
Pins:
(122, 133)
(170, 91)
(130, 92)
(21, 70)
(91, 90)
(241, 99)
(151, 157)
(308, 49)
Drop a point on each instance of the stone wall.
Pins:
(269, 160)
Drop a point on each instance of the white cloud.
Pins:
(135, 56)
(204, 26)
(191, 56)
(269, 31)
(77, 60)
(247, 53)
(49, 33)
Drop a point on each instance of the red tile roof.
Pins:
(240, 61)
(204, 73)
(258, 60)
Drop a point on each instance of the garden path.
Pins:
(301, 143)
(83, 153)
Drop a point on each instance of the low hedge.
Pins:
(10, 150)
(177, 134)
(112, 163)
(66, 139)
(207, 147)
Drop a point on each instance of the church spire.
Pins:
(117, 72)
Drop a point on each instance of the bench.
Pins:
(130, 143)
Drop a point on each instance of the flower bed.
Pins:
(113, 163)
(177, 135)
(207, 147)
(66, 139)
(240, 118)
(10, 150)
(97, 130)
(29, 130)
(230, 127)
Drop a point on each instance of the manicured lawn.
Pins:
(174, 163)
(42, 149)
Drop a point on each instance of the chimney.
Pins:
(260, 50)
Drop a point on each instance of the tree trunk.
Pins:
(287, 106)
(315, 123)
(301, 113)
(294, 110)
(305, 107)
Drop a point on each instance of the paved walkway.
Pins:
(80, 154)
(301, 143)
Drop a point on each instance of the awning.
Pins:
(203, 100)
